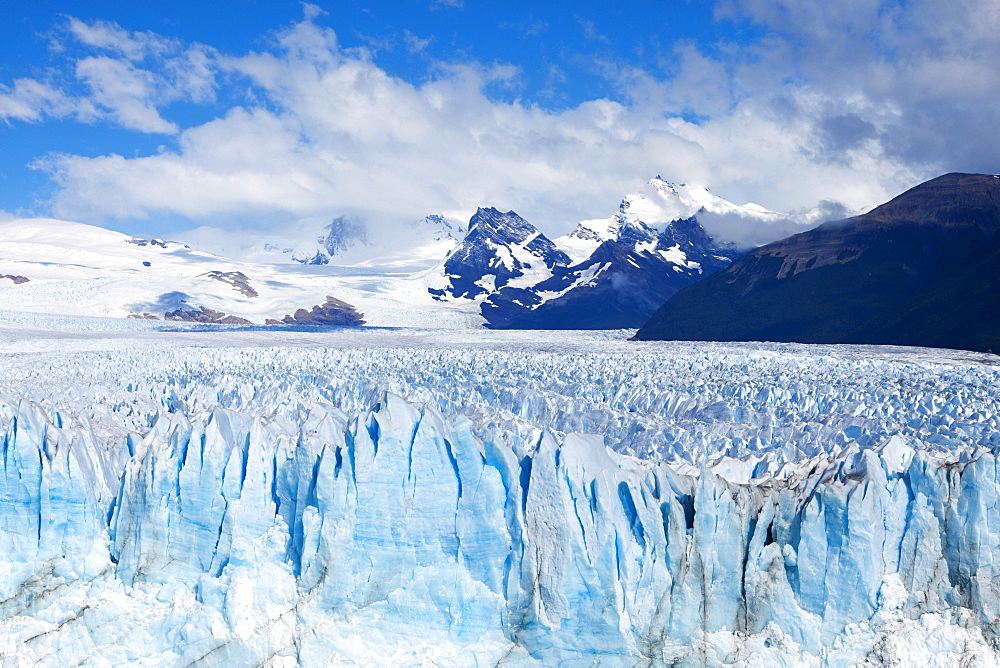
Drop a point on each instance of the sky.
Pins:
(160, 116)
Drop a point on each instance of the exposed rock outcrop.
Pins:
(202, 314)
(147, 242)
(237, 279)
(333, 312)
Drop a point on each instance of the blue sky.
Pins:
(163, 116)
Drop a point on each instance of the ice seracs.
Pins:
(243, 503)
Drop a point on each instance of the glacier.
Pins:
(412, 497)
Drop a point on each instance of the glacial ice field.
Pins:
(241, 496)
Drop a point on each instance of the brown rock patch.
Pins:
(202, 314)
(333, 312)
(237, 279)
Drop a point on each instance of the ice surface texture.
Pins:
(254, 504)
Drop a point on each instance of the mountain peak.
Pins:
(436, 227)
(499, 248)
(656, 209)
(493, 217)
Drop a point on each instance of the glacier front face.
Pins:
(407, 498)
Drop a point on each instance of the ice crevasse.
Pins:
(392, 534)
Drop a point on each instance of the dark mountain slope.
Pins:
(923, 269)
(620, 285)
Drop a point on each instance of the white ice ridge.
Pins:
(164, 504)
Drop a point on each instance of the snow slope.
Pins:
(429, 497)
(82, 270)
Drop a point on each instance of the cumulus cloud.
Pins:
(340, 136)
(845, 103)
(346, 138)
(134, 75)
(30, 100)
(917, 75)
(125, 92)
(139, 73)
(109, 36)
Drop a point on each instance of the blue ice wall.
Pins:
(247, 539)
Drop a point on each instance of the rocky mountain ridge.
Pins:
(608, 273)
(918, 270)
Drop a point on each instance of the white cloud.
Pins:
(311, 11)
(921, 68)
(30, 100)
(135, 75)
(346, 138)
(124, 92)
(415, 44)
(847, 102)
(109, 36)
(590, 30)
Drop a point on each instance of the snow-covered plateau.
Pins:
(179, 494)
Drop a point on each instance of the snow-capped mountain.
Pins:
(336, 239)
(343, 241)
(659, 204)
(608, 273)
(624, 280)
(500, 249)
(416, 247)
(918, 270)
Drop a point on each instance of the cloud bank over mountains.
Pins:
(845, 103)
